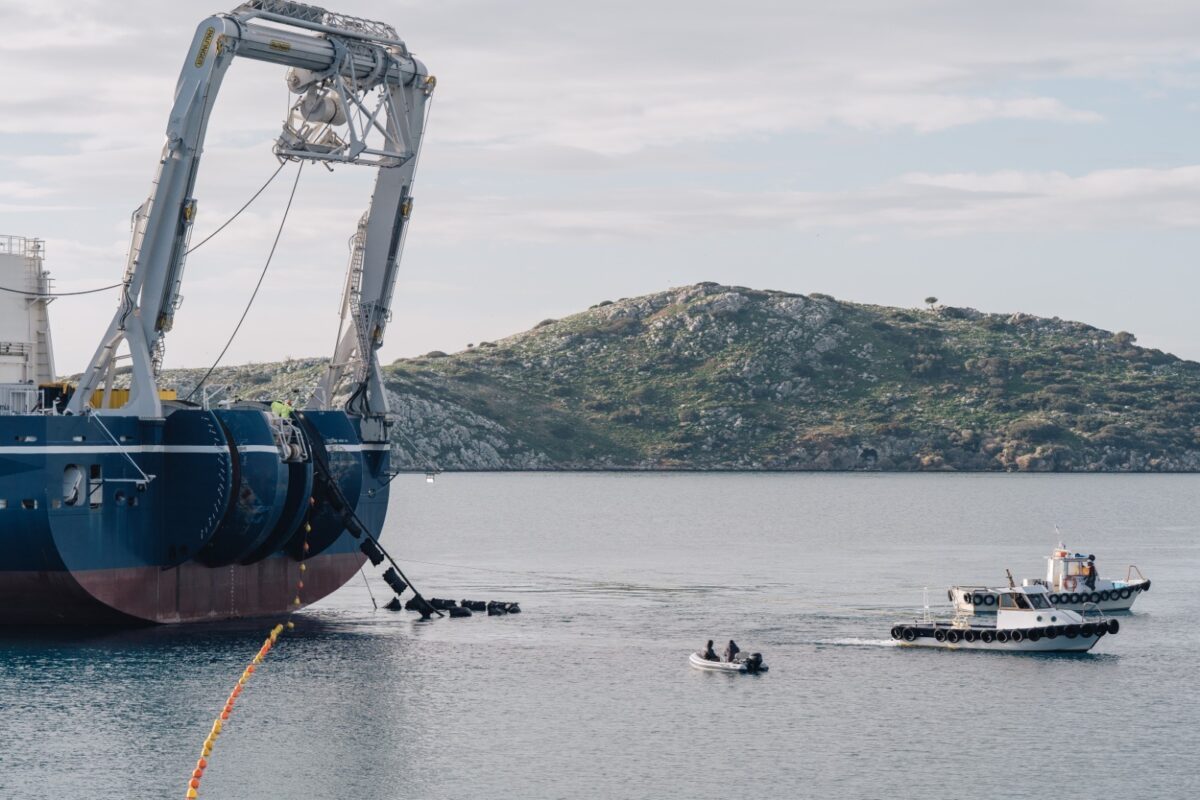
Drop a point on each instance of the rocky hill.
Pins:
(719, 377)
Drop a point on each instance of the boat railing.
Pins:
(18, 399)
(1129, 574)
(1086, 607)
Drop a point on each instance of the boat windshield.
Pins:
(1014, 600)
(1038, 601)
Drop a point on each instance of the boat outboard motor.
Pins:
(754, 662)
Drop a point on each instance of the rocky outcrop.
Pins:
(710, 377)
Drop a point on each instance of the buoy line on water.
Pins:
(193, 790)
(206, 750)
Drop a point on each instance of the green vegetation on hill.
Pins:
(718, 377)
(711, 376)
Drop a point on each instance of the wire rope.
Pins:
(237, 213)
(257, 286)
(60, 294)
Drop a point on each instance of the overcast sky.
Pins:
(1016, 156)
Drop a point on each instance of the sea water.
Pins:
(587, 693)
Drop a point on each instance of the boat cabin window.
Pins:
(1014, 601)
(1037, 601)
(1075, 568)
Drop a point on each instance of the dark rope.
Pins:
(348, 511)
(253, 197)
(257, 286)
(60, 294)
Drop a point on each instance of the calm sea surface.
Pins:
(588, 692)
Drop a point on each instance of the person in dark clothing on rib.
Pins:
(709, 654)
(731, 651)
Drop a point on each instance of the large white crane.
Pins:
(362, 98)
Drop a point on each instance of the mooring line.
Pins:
(206, 750)
(193, 790)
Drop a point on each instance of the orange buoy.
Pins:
(197, 773)
(194, 783)
(201, 764)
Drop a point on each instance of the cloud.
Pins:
(572, 123)
(915, 204)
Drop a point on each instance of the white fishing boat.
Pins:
(1025, 622)
(751, 664)
(1066, 584)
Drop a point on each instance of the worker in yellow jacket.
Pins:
(282, 409)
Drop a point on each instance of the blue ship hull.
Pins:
(199, 516)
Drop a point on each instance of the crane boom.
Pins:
(362, 99)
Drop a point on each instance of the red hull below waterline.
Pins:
(187, 593)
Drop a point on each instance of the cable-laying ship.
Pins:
(126, 504)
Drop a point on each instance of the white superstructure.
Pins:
(26, 351)
(1068, 586)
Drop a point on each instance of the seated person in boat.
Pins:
(731, 651)
(709, 654)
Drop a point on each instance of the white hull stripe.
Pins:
(198, 449)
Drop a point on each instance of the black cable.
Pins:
(257, 286)
(253, 197)
(60, 294)
(320, 464)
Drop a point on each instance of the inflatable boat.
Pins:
(751, 664)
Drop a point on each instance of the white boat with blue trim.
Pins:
(1025, 622)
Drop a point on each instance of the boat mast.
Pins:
(362, 99)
